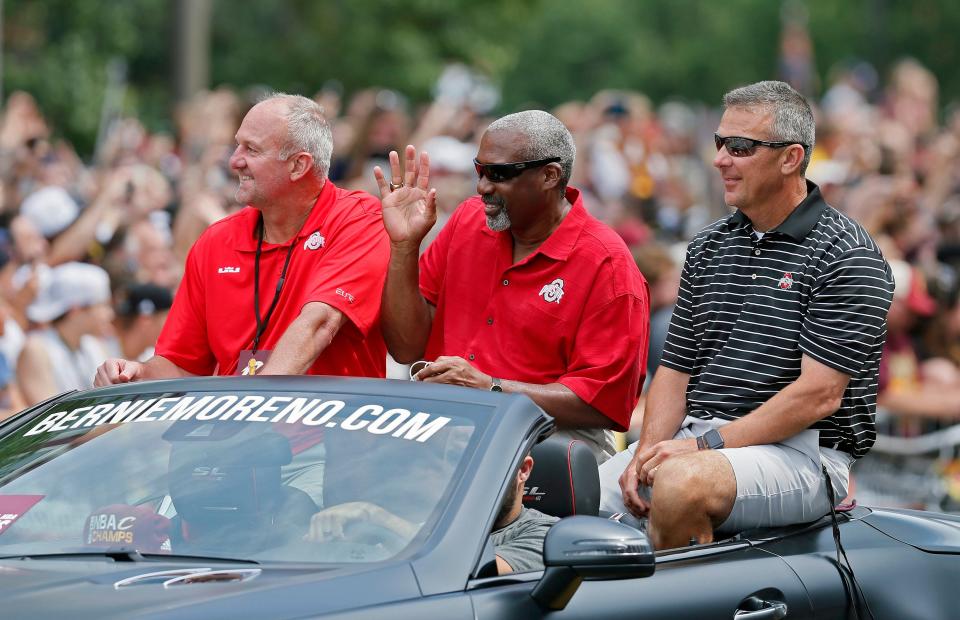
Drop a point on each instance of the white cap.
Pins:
(71, 285)
(50, 209)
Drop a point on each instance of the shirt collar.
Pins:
(800, 221)
(246, 241)
(562, 240)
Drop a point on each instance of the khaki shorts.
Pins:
(777, 484)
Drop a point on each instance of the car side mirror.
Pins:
(583, 547)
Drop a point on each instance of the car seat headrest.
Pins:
(565, 479)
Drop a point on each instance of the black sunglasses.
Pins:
(745, 147)
(498, 173)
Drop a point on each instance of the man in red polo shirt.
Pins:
(522, 291)
(291, 284)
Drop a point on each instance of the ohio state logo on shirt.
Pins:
(552, 292)
(315, 242)
(786, 281)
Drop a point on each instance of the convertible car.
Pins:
(199, 498)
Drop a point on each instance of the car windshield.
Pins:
(266, 476)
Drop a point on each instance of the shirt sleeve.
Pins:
(610, 356)
(847, 311)
(353, 269)
(680, 347)
(183, 339)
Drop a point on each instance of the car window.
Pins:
(270, 476)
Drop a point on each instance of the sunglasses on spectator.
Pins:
(738, 146)
(498, 173)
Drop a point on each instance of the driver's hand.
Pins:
(329, 523)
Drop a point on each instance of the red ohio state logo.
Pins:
(786, 281)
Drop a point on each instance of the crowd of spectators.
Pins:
(887, 153)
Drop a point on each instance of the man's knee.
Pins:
(697, 482)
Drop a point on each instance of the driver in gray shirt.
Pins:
(519, 531)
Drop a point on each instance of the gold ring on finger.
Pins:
(395, 186)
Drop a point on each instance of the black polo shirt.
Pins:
(749, 308)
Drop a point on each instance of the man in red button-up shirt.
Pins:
(522, 291)
(290, 284)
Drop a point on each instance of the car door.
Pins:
(696, 584)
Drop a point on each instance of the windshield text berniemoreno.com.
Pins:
(372, 418)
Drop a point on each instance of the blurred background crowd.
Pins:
(93, 240)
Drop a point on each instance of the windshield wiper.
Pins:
(198, 558)
(127, 555)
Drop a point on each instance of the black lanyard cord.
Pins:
(262, 324)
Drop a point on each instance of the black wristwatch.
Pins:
(495, 385)
(711, 440)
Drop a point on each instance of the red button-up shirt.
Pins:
(339, 258)
(576, 311)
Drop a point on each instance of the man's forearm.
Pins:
(787, 413)
(305, 339)
(568, 409)
(815, 395)
(159, 367)
(666, 406)
(405, 314)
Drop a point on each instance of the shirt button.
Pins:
(490, 321)
(472, 357)
(506, 282)
(754, 276)
(756, 252)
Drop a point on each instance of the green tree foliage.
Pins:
(403, 44)
(59, 50)
(540, 52)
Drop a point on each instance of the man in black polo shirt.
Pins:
(769, 371)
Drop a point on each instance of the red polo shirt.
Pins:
(576, 311)
(339, 258)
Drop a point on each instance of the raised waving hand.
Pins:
(409, 205)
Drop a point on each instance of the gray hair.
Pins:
(307, 131)
(546, 137)
(792, 116)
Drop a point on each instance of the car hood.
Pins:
(42, 588)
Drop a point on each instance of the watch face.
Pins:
(714, 439)
(496, 388)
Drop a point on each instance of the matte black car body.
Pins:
(906, 562)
